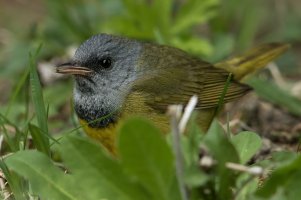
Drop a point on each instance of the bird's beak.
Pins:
(69, 68)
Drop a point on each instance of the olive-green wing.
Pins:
(175, 79)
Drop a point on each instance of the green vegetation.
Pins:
(44, 156)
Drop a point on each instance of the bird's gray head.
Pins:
(104, 66)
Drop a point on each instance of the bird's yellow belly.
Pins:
(134, 106)
(106, 136)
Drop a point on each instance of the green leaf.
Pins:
(13, 181)
(38, 139)
(286, 177)
(37, 98)
(221, 99)
(252, 15)
(223, 151)
(194, 45)
(92, 174)
(246, 185)
(292, 188)
(140, 19)
(162, 20)
(194, 177)
(193, 12)
(283, 158)
(276, 95)
(146, 155)
(247, 144)
(12, 144)
(46, 180)
(225, 44)
(100, 176)
(191, 143)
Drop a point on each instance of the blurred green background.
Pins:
(210, 29)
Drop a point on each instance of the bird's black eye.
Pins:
(106, 63)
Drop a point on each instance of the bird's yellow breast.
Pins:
(106, 136)
(134, 105)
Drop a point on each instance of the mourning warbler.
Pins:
(117, 77)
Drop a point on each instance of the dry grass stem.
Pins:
(187, 113)
(255, 170)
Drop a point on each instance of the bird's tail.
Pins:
(252, 60)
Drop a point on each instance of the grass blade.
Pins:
(222, 97)
(37, 98)
(13, 146)
(13, 182)
(38, 139)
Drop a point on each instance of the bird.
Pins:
(117, 77)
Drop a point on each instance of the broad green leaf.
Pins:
(247, 144)
(246, 185)
(287, 177)
(278, 159)
(222, 151)
(146, 155)
(292, 187)
(283, 158)
(46, 180)
(194, 177)
(276, 95)
(100, 176)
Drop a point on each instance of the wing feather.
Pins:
(174, 76)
